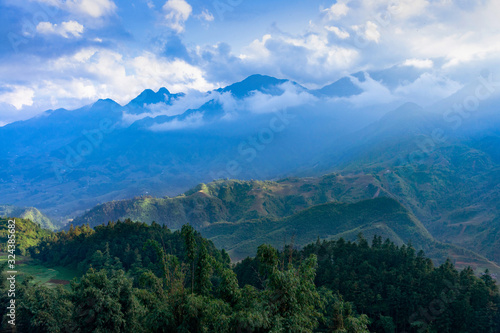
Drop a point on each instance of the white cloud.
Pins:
(176, 14)
(340, 33)
(92, 8)
(180, 76)
(371, 32)
(374, 92)
(305, 58)
(337, 10)
(205, 16)
(257, 49)
(259, 102)
(121, 79)
(192, 121)
(230, 105)
(17, 96)
(403, 33)
(368, 31)
(191, 101)
(66, 29)
(428, 88)
(404, 9)
(72, 81)
(419, 63)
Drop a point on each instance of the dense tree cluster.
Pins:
(119, 245)
(140, 278)
(398, 289)
(28, 234)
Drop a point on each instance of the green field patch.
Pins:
(49, 276)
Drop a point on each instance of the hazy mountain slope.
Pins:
(452, 188)
(54, 129)
(29, 213)
(340, 88)
(454, 192)
(440, 163)
(65, 162)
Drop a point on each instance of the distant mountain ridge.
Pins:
(234, 200)
(61, 149)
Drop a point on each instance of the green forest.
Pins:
(135, 277)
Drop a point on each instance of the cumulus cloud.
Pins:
(17, 96)
(378, 34)
(442, 37)
(176, 14)
(368, 31)
(71, 81)
(257, 49)
(308, 57)
(93, 8)
(337, 10)
(181, 76)
(66, 29)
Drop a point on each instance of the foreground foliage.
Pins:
(141, 278)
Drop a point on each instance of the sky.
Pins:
(69, 53)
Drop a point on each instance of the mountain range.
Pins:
(322, 150)
(163, 144)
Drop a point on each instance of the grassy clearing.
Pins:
(49, 276)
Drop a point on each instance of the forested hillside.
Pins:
(30, 213)
(146, 278)
(28, 234)
(240, 215)
(235, 200)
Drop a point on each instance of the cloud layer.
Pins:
(69, 53)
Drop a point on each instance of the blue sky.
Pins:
(69, 53)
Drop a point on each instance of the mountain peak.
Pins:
(108, 102)
(254, 82)
(340, 88)
(148, 96)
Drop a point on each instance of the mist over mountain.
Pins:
(162, 144)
